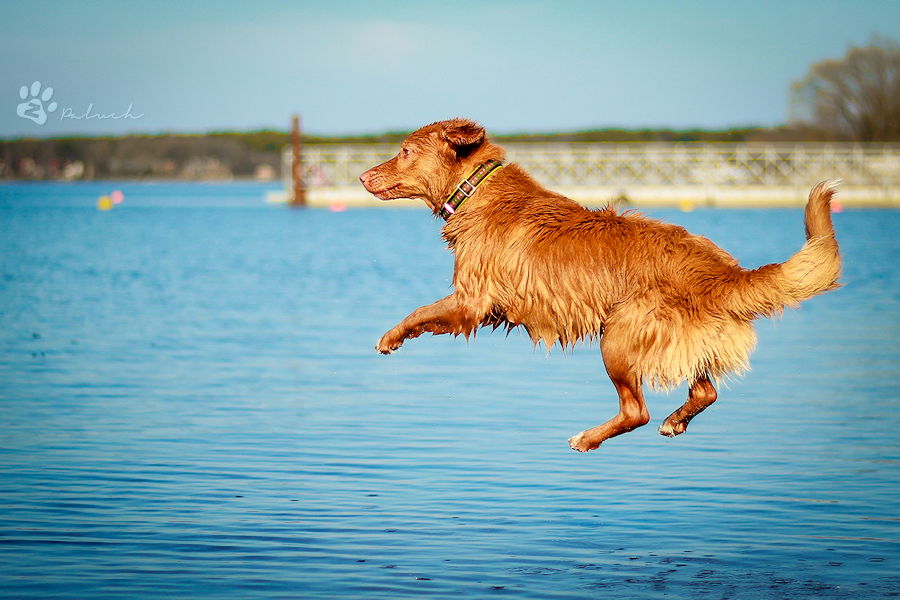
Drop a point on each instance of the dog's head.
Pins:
(431, 162)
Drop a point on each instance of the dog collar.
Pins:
(467, 187)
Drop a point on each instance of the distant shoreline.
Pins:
(257, 155)
(791, 133)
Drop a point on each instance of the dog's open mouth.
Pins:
(388, 193)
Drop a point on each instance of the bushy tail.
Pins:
(811, 271)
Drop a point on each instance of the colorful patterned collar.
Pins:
(467, 187)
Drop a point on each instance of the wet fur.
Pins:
(667, 306)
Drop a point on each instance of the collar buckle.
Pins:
(467, 187)
(472, 186)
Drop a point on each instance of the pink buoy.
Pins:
(117, 197)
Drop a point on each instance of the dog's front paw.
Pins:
(582, 442)
(389, 342)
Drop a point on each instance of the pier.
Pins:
(685, 175)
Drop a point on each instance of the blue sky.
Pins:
(353, 67)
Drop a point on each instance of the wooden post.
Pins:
(299, 197)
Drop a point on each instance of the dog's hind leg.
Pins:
(700, 396)
(632, 410)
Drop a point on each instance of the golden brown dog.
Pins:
(666, 305)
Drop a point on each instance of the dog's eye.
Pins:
(407, 152)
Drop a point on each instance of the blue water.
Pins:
(191, 406)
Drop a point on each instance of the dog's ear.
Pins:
(462, 133)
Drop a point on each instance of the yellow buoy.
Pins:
(105, 203)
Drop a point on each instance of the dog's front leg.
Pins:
(447, 315)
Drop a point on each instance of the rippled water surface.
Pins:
(191, 405)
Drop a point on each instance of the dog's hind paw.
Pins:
(670, 428)
(581, 443)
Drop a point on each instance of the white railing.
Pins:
(710, 171)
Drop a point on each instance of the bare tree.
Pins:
(856, 97)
